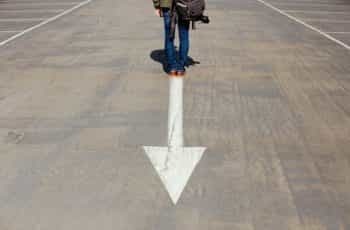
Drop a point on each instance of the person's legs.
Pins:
(169, 42)
(184, 44)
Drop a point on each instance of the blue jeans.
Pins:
(170, 52)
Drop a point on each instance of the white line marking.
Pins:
(174, 168)
(44, 22)
(305, 24)
(175, 163)
(316, 11)
(327, 1)
(175, 116)
(21, 19)
(32, 11)
(10, 31)
(338, 32)
(38, 3)
(312, 1)
(306, 4)
(325, 20)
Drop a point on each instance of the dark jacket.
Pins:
(162, 3)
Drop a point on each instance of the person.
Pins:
(175, 65)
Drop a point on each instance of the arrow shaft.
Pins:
(175, 114)
(175, 163)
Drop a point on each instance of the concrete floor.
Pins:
(79, 97)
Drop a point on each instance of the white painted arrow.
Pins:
(175, 163)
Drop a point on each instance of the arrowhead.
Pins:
(174, 168)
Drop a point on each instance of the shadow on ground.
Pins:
(159, 56)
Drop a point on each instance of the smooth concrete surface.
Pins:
(79, 97)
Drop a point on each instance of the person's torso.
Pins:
(165, 3)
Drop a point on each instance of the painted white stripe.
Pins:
(175, 116)
(317, 1)
(325, 20)
(174, 163)
(338, 32)
(21, 19)
(311, 1)
(316, 11)
(10, 31)
(305, 24)
(306, 4)
(38, 3)
(44, 22)
(32, 11)
(174, 168)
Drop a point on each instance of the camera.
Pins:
(204, 19)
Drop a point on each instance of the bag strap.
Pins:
(173, 25)
(173, 18)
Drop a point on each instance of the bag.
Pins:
(191, 10)
(188, 10)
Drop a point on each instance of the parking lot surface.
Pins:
(82, 90)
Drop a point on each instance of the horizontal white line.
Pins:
(306, 4)
(316, 11)
(338, 32)
(32, 11)
(44, 22)
(19, 1)
(10, 31)
(21, 19)
(325, 20)
(311, 1)
(38, 3)
(305, 24)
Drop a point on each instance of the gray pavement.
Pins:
(80, 96)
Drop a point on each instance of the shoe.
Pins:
(172, 73)
(181, 73)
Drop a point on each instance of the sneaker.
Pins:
(172, 73)
(181, 72)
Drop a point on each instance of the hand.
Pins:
(157, 12)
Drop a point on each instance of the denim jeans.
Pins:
(170, 51)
